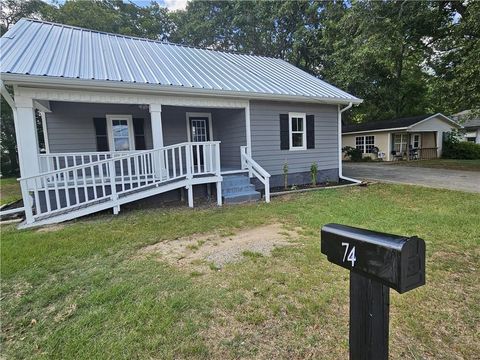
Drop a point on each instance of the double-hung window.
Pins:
(120, 132)
(365, 144)
(400, 142)
(369, 144)
(297, 131)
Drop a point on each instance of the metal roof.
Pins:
(54, 51)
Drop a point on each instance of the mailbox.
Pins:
(395, 261)
(377, 262)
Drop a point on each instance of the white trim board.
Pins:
(131, 134)
(302, 116)
(23, 94)
(56, 82)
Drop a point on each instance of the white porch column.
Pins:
(26, 134)
(439, 140)
(248, 131)
(157, 139)
(157, 128)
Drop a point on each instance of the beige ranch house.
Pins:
(410, 138)
(125, 119)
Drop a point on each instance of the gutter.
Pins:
(340, 164)
(109, 85)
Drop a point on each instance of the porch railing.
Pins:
(57, 161)
(427, 153)
(255, 169)
(416, 154)
(113, 176)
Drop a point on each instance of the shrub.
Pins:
(462, 150)
(354, 153)
(313, 173)
(285, 175)
(453, 148)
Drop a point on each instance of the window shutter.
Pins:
(139, 132)
(310, 132)
(101, 133)
(284, 141)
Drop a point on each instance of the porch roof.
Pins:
(35, 50)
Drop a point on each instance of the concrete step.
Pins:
(235, 180)
(237, 189)
(241, 197)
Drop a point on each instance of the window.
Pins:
(297, 133)
(360, 143)
(416, 141)
(365, 144)
(369, 144)
(400, 142)
(120, 132)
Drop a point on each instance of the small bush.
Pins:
(453, 148)
(285, 175)
(354, 153)
(313, 173)
(461, 150)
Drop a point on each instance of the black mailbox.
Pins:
(395, 261)
(377, 262)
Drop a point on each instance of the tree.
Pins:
(13, 10)
(455, 81)
(378, 50)
(113, 16)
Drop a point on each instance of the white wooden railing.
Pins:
(100, 177)
(56, 161)
(255, 169)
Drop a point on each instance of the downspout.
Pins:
(340, 170)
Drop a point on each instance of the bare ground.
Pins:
(215, 250)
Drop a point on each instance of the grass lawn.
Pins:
(80, 291)
(453, 164)
(9, 190)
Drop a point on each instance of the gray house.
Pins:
(127, 118)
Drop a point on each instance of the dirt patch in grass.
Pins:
(215, 250)
(51, 228)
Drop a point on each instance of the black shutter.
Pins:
(310, 132)
(139, 132)
(101, 133)
(284, 141)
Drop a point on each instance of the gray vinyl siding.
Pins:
(70, 125)
(229, 128)
(265, 129)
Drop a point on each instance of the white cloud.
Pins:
(175, 4)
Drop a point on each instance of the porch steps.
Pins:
(237, 188)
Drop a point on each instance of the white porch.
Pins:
(58, 186)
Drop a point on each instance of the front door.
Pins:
(199, 129)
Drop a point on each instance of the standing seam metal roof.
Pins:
(39, 48)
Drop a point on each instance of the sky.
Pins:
(169, 4)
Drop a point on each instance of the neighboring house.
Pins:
(127, 118)
(471, 125)
(417, 137)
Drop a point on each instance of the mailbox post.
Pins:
(377, 262)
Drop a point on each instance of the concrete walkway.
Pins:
(437, 178)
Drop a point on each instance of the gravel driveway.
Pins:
(437, 178)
